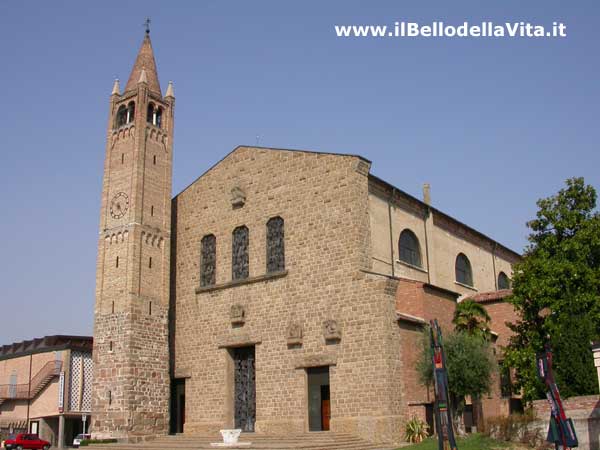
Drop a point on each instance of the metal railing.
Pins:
(28, 390)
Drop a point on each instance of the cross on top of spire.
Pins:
(144, 62)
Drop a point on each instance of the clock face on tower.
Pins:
(119, 205)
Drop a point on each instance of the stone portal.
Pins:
(245, 388)
(319, 409)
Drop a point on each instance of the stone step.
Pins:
(306, 441)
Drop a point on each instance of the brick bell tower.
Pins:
(130, 395)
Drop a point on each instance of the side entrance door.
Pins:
(245, 388)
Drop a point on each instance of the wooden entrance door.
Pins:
(325, 408)
(245, 388)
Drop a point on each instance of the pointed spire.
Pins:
(170, 91)
(116, 88)
(143, 77)
(144, 63)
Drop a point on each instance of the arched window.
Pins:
(208, 260)
(503, 281)
(150, 113)
(130, 112)
(158, 117)
(463, 271)
(275, 245)
(239, 256)
(154, 115)
(409, 249)
(121, 116)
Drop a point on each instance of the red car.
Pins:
(26, 441)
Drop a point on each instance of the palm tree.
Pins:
(472, 318)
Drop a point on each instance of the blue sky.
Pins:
(492, 124)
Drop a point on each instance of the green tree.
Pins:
(472, 318)
(561, 272)
(470, 365)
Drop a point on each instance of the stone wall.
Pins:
(323, 201)
(585, 413)
(441, 239)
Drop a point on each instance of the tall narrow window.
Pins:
(117, 262)
(240, 259)
(154, 160)
(150, 113)
(12, 388)
(158, 117)
(463, 271)
(130, 112)
(208, 260)
(121, 116)
(150, 263)
(152, 210)
(275, 245)
(503, 281)
(122, 158)
(409, 250)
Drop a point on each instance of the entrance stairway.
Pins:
(30, 390)
(308, 441)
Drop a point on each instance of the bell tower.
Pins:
(130, 394)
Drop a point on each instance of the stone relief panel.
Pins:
(237, 314)
(275, 245)
(332, 330)
(294, 334)
(238, 197)
(208, 260)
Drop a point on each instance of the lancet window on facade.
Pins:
(239, 258)
(208, 260)
(275, 245)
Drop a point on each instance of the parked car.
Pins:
(10, 436)
(79, 438)
(25, 441)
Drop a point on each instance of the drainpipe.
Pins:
(29, 391)
(494, 264)
(427, 201)
(391, 234)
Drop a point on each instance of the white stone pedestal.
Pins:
(230, 439)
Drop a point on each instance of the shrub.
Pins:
(517, 428)
(86, 442)
(415, 430)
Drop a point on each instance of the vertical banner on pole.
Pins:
(443, 414)
(561, 431)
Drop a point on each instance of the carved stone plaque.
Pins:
(294, 334)
(238, 197)
(237, 314)
(332, 330)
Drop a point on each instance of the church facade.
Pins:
(282, 292)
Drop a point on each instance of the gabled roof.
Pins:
(45, 344)
(371, 177)
(267, 148)
(144, 63)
